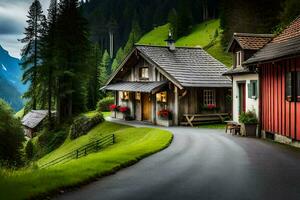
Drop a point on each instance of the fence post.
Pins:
(113, 138)
(85, 152)
(77, 153)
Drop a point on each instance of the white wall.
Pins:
(251, 104)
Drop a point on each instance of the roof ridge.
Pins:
(161, 46)
(253, 34)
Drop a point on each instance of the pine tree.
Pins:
(118, 60)
(134, 36)
(94, 86)
(31, 58)
(103, 68)
(72, 60)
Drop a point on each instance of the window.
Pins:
(161, 97)
(253, 90)
(124, 95)
(144, 73)
(138, 96)
(209, 97)
(239, 58)
(292, 86)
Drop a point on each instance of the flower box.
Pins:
(113, 114)
(119, 115)
(164, 122)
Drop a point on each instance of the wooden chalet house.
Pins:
(245, 88)
(278, 63)
(154, 79)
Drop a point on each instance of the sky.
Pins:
(12, 23)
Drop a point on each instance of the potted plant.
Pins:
(164, 117)
(114, 109)
(249, 123)
(125, 111)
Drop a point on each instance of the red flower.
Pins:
(113, 107)
(211, 106)
(124, 109)
(164, 114)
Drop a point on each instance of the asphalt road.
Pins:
(204, 164)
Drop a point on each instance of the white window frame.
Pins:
(239, 58)
(209, 97)
(144, 73)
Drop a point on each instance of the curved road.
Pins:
(204, 164)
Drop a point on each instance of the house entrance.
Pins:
(146, 107)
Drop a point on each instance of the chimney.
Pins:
(171, 42)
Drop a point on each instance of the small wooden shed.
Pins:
(32, 121)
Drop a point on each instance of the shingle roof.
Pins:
(34, 118)
(285, 44)
(238, 70)
(191, 67)
(251, 41)
(135, 86)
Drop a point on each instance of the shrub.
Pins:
(11, 137)
(82, 125)
(248, 118)
(124, 109)
(29, 150)
(104, 104)
(50, 140)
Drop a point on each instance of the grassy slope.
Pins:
(201, 36)
(132, 144)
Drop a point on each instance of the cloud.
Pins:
(13, 15)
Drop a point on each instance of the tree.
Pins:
(29, 150)
(94, 86)
(103, 68)
(72, 60)
(134, 36)
(31, 58)
(11, 137)
(290, 12)
(118, 60)
(184, 19)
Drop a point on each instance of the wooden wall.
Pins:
(278, 115)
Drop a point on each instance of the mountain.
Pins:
(11, 70)
(11, 87)
(10, 94)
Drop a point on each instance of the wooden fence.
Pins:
(92, 147)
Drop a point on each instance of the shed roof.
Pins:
(191, 67)
(34, 118)
(135, 86)
(287, 43)
(238, 70)
(250, 41)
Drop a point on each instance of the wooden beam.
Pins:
(176, 106)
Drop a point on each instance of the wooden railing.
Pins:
(92, 147)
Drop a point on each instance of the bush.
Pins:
(11, 137)
(29, 150)
(50, 140)
(248, 118)
(103, 104)
(82, 125)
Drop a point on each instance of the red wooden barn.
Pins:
(278, 64)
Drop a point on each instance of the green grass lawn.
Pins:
(202, 35)
(212, 126)
(132, 144)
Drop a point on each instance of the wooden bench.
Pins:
(196, 119)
